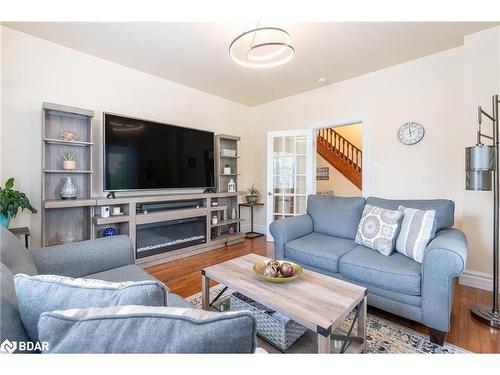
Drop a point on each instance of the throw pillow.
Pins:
(378, 228)
(146, 329)
(37, 294)
(418, 228)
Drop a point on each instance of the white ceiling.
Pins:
(196, 54)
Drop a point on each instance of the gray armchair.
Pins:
(109, 259)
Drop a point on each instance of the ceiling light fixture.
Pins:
(262, 47)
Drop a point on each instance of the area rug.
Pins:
(383, 336)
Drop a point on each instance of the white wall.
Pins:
(34, 71)
(353, 133)
(337, 182)
(481, 81)
(428, 90)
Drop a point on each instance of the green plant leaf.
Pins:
(9, 184)
(12, 200)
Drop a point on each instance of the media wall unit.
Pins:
(162, 227)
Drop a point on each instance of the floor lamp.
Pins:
(482, 173)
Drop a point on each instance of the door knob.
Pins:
(269, 193)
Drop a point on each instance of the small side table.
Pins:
(250, 234)
(21, 231)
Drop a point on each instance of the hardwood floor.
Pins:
(183, 277)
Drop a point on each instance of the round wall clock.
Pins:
(411, 133)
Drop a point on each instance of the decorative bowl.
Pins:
(259, 266)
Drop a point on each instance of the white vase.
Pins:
(68, 190)
(233, 214)
(231, 186)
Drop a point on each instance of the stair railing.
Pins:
(342, 148)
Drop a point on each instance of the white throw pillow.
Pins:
(378, 228)
(418, 228)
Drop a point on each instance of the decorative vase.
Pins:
(231, 186)
(68, 190)
(109, 232)
(4, 220)
(69, 165)
(233, 214)
(252, 199)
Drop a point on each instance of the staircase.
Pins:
(341, 154)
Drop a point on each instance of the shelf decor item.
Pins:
(482, 173)
(214, 219)
(68, 190)
(10, 202)
(231, 186)
(227, 169)
(68, 136)
(69, 162)
(253, 195)
(104, 211)
(228, 152)
(233, 214)
(109, 232)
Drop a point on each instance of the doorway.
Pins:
(357, 156)
(339, 160)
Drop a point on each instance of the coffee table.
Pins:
(318, 302)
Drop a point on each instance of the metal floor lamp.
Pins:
(482, 173)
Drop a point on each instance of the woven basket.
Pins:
(280, 331)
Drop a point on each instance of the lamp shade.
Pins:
(478, 180)
(480, 158)
(479, 166)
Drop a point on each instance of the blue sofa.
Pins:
(323, 240)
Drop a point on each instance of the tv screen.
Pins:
(140, 155)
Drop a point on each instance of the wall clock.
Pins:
(411, 133)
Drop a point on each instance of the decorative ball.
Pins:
(274, 263)
(270, 271)
(108, 232)
(286, 269)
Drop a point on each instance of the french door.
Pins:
(289, 173)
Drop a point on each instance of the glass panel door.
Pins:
(289, 172)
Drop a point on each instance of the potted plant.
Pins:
(10, 202)
(253, 195)
(69, 163)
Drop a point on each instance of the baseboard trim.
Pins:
(477, 279)
(256, 228)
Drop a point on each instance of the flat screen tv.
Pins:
(146, 155)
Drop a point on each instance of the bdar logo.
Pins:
(8, 346)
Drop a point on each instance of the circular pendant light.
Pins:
(262, 47)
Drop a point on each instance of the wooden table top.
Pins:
(316, 301)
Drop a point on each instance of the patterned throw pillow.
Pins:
(418, 228)
(378, 228)
(37, 294)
